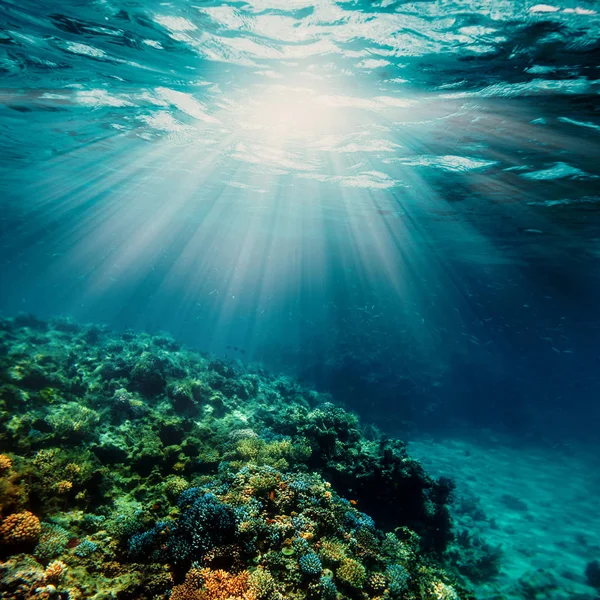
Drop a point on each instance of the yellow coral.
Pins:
(55, 571)
(174, 485)
(5, 463)
(441, 591)
(377, 582)
(274, 454)
(44, 459)
(72, 470)
(63, 487)
(332, 551)
(20, 528)
(190, 589)
(249, 448)
(261, 583)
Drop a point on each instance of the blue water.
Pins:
(395, 201)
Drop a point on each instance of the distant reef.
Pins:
(134, 468)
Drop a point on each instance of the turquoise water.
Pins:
(390, 205)
(391, 192)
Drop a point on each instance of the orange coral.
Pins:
(20, 528)
(5, 463)
(55, 571)
(209, 584)
(221, 585)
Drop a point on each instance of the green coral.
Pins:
(352, 573)
(332, 551)
(52, 542)
(174, 485)
(262, 583)
(72, 419)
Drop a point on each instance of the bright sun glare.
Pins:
(281, 113)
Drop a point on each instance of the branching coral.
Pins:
(352, 573)
(205, 522)
(261, 583)
(332, 551)
(208, 584)
(73, 419)
(52, 542)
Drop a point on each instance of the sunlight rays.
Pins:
(214, 206)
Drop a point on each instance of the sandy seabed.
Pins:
(539, 503)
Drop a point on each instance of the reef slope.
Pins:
(135, 468)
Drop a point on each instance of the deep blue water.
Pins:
(396, 201)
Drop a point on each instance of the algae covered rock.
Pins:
(379, 474)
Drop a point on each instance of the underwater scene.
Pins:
(299, 299)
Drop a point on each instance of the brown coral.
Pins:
(20, 528)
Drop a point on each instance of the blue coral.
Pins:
(397, 577)
(85, 548)
(205, 522)
(189, 496)
(300, 523)
(310, 564)
(301, 546)
(328, 588)
(354, 519)
(147, 543)
(299, 486)
(366, 521)
(247, 512)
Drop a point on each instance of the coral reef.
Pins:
(20, 528)
(135, 468)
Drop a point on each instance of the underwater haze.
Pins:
(389, 199)
(236, 236)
